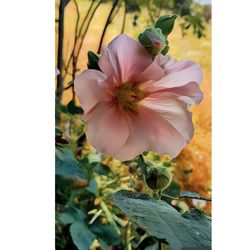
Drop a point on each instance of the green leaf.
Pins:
(81, 236)
(106, 234)
(173, 190)
(73, 109)
(166, 23)
(71, 215)
(92, 187)
(100, 168)
(162, 221)
(93, 60)
(193, 195)
(165, 50)
(58, 132)
(187, 171)
(153, 246)
(68, 166)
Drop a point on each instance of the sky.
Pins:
(204, 1)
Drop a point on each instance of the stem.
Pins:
(80, 36)
(109, 217)
(143, 166)
(149, 12)
(59, 88)
(106, 25)
(159, 195)
(124, 18)
(127, 239)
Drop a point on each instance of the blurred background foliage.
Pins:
(85, 216)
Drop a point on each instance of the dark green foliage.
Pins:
(159, 219)
(71, 215)
(81, 235)
(166, 23)
(106, 234)
(73, 109)
(93, 60)
(193, 195)
(67, 166)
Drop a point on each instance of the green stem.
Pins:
(109, 216)
(128, 235)
(143, 166)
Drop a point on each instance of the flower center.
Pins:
(128, 96)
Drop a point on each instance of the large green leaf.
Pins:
(67, 165)
(193, 195)
(81, 235)
(106, 234)
(71, 215)
(159, 219)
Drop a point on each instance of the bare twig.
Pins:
(87, 27)
(59, 88)
(80, 37)
(150, 12)
(107, 24)
(77, 36)
(124, 17)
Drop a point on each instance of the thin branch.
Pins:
(116, 12)
(159, 9)
(106, 25)
(76, 37)
(124, 17)
(59, 88)
(149, 12)
(77, 47)
(85, 32)
(74, 59)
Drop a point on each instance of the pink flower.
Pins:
(136, 104)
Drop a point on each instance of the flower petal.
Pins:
(123, 58)
(164, 138)
(173, 111)
(153, 72)
(107, 129)
(177, 74)
(138, 140)
(89, 90)
(189, 93)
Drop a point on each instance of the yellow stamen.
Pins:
(128, 96)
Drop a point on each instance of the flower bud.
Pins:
(93, 60)
(166, 23)
(166, 49)
(153, 40)
(159, 178)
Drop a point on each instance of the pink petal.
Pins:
(177, 74)
(189, 93)
(138, 140)
(173, 111)
(153, 72)
(107, 129)
(123, 58)
(165, 139)
(149, 130)
(89, 88)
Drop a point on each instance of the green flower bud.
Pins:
(166, 23)
(93, 60)
(166, 49)
(153, 40)
(159, 178)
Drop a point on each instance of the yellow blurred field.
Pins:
(197, 155)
